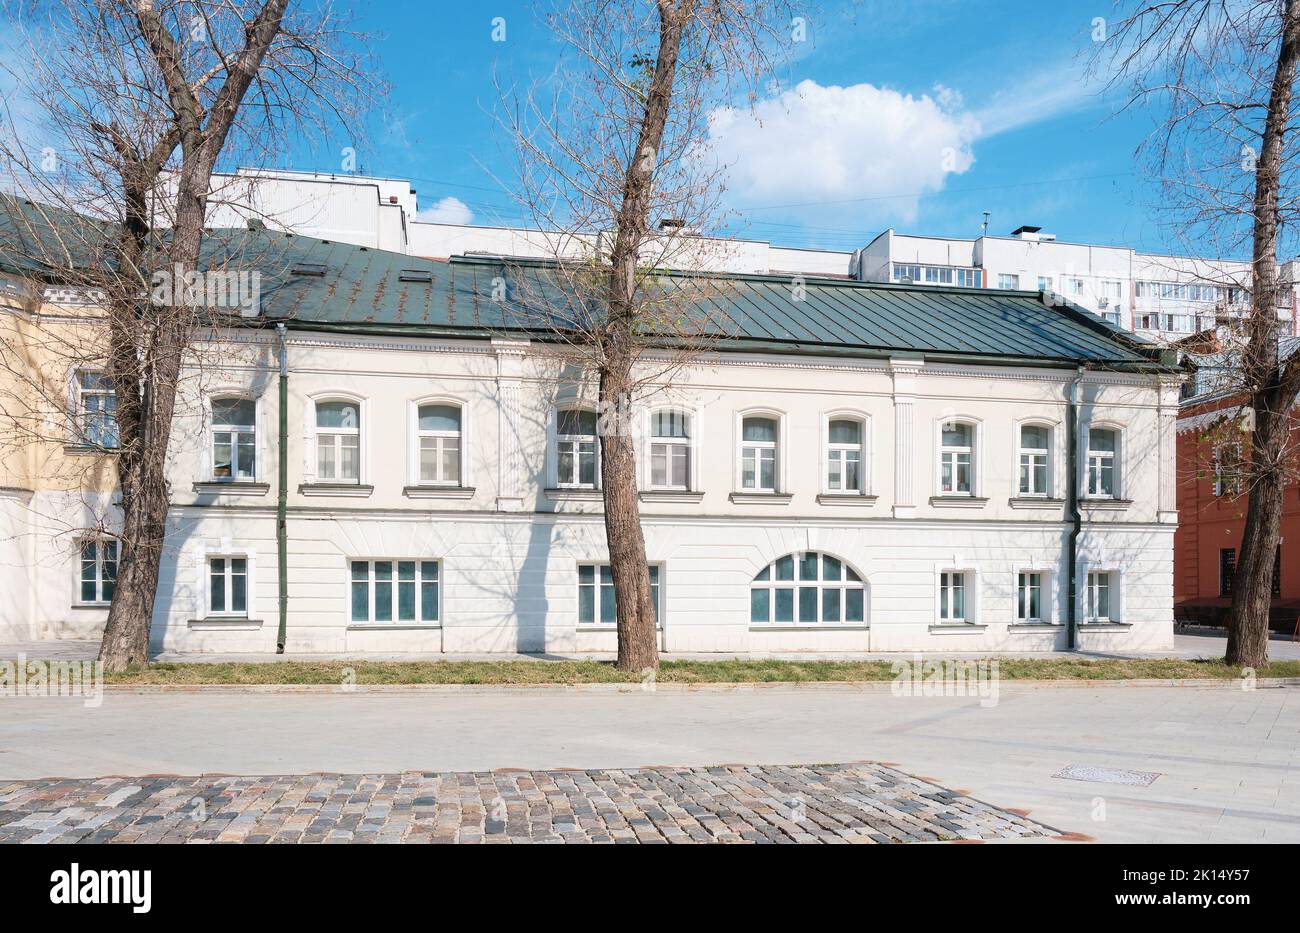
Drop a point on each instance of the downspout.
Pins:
(1076, 517)
(282, 500)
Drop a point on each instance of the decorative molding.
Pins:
(1035, 626)
(858, 499)
(954, 628)
(1104, 504)
(958, 502)
(393, 627)
(761, 498)
(218, 624)
(438, 492)
(1035, 502)
(351, 490)
(217, 488)
(556, 494)
(670, 495)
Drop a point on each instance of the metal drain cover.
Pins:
(1107, 775)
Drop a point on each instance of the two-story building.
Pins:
(848, 466)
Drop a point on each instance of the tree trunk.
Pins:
(638, 647)
(1253, 581)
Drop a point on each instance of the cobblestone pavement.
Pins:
(857, 803)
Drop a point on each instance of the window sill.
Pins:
(438, 492)
(958, 502)
(1105, 626)
(1116, 504)
(394, 626)
(1035, 502)
(952, 628)
(225, 624)
(813, 627)
(761, 498)
(576, 494)
(99, 606)
(81, 450)
(219, 488)
(670, 495)
(843, 498)
(354, 490)
(612, 629)
(1034, 626)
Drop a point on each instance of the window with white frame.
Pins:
(596, 604)
(1103, 444)
(438, 428)
(1029, 596)
(845, 455)
(396, 591)
(1008, 281)
(1228, 470)
(758, 450)
(1072, 284)
(234, 439)
(227, 586)
(98, 577)
(338, 441)
(807, 588)
(96, 409)
(670, 449)
(575, 448)
(957, 458)
(1100, 596)
(1112, 289)
(952, 596)
(1035, 456)
(1045, 283)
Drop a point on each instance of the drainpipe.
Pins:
(1076, 517)
(282, 501)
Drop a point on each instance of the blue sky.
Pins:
(863, 109)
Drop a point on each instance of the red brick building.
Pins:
(1212, 514)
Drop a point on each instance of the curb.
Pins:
(827, 686)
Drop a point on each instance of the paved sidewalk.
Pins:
(860, 803)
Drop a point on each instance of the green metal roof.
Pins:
(360, 288)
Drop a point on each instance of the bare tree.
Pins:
(614, 168)
(138, 102)
(1226, 152)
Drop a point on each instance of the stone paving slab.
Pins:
(834, 803)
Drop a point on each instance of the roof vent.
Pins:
(415, 275)
(1031, 233)
(316, 269)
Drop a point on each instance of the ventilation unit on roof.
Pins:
(308, 268)
(415, 275)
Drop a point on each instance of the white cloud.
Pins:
(449, 210)
(814, 143)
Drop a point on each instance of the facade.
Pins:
(1213, 431)
(838, 474)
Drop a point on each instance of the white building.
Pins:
(858, 466)
(1159, 297)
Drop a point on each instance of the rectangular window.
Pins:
(670, 450)
(1007, 281)
(1112, 289)
(952, 596)
(404, 592)
(1029, 597)
(1228, 470)
(1072, 285)
(968, 278)
(1227, 569)
(98, 577)
(1277, 571)
(1044, 283)
(758, 454)
(96, 410)
(338, 442)
(234, 439)
(227, 586)
(1099, 597)
(956, 452)
(1102, 446)
(844, 456)
(1034, 446)
(596, 604)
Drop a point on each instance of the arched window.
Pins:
(844, 455)
(1103, 452)
(1035, 457)
(575, 448)
(758, 454)
(956, 459)
(807, 588)
(438, 426)
(234, 439)
(670, 449)
(338, 441)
